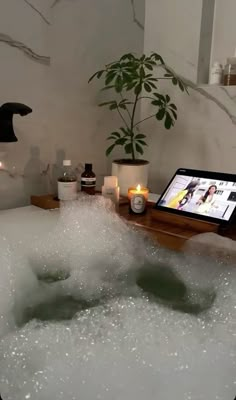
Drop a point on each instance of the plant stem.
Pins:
(132, 125)
(151, 116)
(126, 110)
(146, 97)
(127, 126)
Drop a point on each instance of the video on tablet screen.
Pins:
(208, 197)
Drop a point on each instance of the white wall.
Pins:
(173, 28)
(204, 136)
(224, 38)
(68, 40)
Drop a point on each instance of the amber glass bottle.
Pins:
(88, 180)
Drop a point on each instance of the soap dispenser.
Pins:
(7, 110)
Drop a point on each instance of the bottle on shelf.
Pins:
(88, 179)
(230, 71)
(67, 183)
(111, 190)
(216, 74)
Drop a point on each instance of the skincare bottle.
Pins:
(216, 74)
(88, 180)
(67, 183)
(111, 190)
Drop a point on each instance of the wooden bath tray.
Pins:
(48, 201)
(199, 226)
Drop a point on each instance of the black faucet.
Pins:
(7, 110)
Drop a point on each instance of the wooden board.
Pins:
(48, 201)
(183, 221)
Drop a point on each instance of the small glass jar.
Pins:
(230, 72)
(216, 74)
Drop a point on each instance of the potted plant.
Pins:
(133, 79)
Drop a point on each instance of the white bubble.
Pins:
(80, 327)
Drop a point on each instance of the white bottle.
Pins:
(67, 183)
(110, 189)
(216, 74)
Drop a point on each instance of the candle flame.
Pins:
(138, 188)
(1, 164)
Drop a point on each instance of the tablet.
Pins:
(203, 195)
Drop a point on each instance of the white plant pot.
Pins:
(130, 174)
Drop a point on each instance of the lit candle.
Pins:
(137, 199)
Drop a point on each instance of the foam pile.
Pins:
(126, 337)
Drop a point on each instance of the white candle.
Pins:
(138, 199)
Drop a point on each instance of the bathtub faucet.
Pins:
(7, 110)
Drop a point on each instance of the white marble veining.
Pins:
(49, 49)
(204, 136)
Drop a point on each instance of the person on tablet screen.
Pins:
(186, 199)
(206, 201)
(190, 188)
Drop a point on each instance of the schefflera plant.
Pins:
(132, 79)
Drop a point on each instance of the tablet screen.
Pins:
(201, 194)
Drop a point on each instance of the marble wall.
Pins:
(204, 136)
(48, 50)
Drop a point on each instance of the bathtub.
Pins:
(126, 341)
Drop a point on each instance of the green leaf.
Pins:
(128, 148)
(157, 103)
(123, 106)
(142, 72)
(147, 87)
(113, 106)
(105, 103)
(138, 148)
(140, 136)
(109, 149)
(168, 75)
(109, 78)
(172, 105)
(149, 66)
(174, 81)
(157, 57)
(98, 74)
(118, 84)
(161, 113)
(128, 56)
(152, 85)
(117, 134)
(167, 98)
(138, 89)
(174, 113)
(121, 141)
(181, 86)
(125, 131)
(160, 96)
(142, 142)
(168, 121)
(130, 85)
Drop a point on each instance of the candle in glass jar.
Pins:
(137, 199)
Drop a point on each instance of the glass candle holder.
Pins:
(138, 197)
